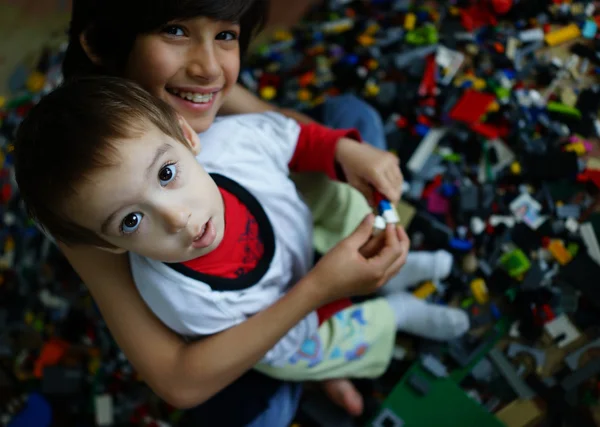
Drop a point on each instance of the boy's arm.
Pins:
(242, 101)
(182, 374)
(316, 149)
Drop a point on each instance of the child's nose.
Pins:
(176, 218)
(203, 64)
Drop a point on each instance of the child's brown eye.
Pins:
(131, 222)
(167, 174)
(173, 30)
(227, 36)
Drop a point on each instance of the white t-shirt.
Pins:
(251, 154)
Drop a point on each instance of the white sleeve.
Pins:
(292, 341)
(250, 138)
(280, 137)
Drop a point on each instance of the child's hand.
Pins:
(369, 168)
(359, 265)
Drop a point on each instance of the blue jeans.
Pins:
(349, 111)
(282, 407)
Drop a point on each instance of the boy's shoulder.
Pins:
(259, 122)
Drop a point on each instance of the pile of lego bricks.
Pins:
(493, 109)
(59, 365)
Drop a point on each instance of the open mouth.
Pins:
(206, 236)
(201, 234)
(195, 97)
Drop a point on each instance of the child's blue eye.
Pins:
(227, 36)
(167, 174)
(131, 222)
(173, 30)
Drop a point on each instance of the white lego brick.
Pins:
(425, 149)
(588, 235)
(562, 325)
(104, 410)
(379, 225)
(532, 35)
(450, 60)
(477, 225)
(496, 220)
(572, 225)
(514, 330)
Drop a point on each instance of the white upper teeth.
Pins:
(197, 98)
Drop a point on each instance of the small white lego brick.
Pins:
(477, 225)
(390, 216)
(532, 35)
(589, 9)
(496, 220)
(379, 225)
(104, 410)
(388, 212)
(561, 325)
(514, 330)
(511, 48)
(425, 149)
(572, 225)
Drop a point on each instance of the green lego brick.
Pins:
(445, 404)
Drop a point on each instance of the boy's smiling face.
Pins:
(190, 64)
(156, 200)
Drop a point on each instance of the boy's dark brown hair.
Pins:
(70, 134)
(111, 27)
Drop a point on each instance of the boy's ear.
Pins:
(189, 134)
(88, 51)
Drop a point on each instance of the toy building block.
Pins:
(425, 290)
(538, 355)
(479, 291)
(581, 375)
(572, 360)
(378, 225)
(527, 210)
(425, 149)
(563, 35)
(521, 413)
(509, 373)
(561, 327)
(433, 365)
(387, 418)
(588, 235)
(515, 263)
(387, 212)
(453, 407)
(104, 410)
(419, 384)
(471, 107)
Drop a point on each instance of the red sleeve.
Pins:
(315, 149)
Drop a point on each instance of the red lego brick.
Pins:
(471, 106)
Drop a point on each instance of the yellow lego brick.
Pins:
(424, 290)
(559, 252)
(515, 168)
(562, 35)
(409, 21)
(479, 291)
(479, 84)
(576, 147)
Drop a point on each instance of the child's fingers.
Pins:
(373, 246)
(390, 252)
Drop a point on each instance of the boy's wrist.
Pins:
(312, 293)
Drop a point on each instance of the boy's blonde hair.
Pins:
(70, 134)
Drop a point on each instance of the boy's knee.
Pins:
(349, 111)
